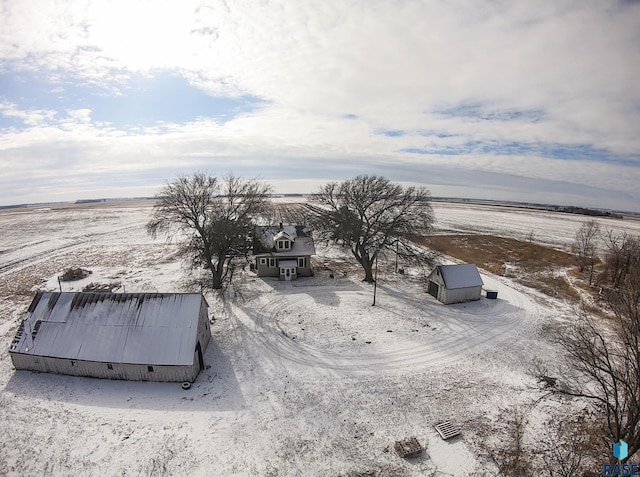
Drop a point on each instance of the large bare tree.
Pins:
(217, 218)
(369, 214)
(606, 360)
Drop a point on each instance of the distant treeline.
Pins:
(90, 201)
(584, 211)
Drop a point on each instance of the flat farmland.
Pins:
(302, 378)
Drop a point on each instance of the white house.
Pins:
(132, 336)
(283, 251)
(455, 283)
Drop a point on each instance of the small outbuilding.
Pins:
(455, 283)
(131, 336)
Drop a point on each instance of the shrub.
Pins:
(71, 274)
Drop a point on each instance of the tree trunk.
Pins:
(216, 275)
(367, 264)
(216, 282)
(368, 271)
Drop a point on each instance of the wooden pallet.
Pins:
(408, 447)
(447, 430)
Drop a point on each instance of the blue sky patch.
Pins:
(549, 150)
(487, 113)
(142, 101)
(390, 132)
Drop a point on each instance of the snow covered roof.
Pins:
(264, 241)
(285, 235)
(132, 328)
(460, 276)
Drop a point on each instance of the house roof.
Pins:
(133, 328)
(263, 244)
(284, 235)
(460, 276)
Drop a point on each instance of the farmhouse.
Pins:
(455, 283)
(283, 251)
(133, 336)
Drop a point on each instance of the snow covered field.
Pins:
(548, 228)
(305, 378)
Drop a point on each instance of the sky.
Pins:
(489, 99)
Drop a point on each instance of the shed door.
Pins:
(199, 356)
(433, 289)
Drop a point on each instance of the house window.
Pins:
(301, 262)
(150, 369)
(263, 261)
(109, 366)
(272, 263)
(283, 245)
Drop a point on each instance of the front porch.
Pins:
(288, 269)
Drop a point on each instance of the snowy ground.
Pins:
(549, 228)
(305, 378)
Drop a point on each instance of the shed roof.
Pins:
(460, 276)
(133, 328)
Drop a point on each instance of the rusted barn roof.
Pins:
(133, 328)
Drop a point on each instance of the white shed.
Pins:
(455, 283)
(132, 336)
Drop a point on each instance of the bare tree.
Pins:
(564, 449)
(585, 246)
(607, 362)
(216, 217)
(622, 251)
(369, 214)
(507, 451)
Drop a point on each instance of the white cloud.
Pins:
(34, 117)
(573, 65)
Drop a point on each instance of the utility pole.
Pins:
(396, 255)
(375, 282)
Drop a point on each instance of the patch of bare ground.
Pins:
(528, 263)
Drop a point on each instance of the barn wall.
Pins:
(92, 369)
(204, 328)
(460, 295)
(435, 277)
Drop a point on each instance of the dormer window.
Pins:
(283, 245)
(283, 241)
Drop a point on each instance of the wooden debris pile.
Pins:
(408, 447)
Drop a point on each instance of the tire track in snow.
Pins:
(461, 330)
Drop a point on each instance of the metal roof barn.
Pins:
(455, 283)
(135, 336)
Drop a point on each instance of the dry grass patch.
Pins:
(528, 263)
